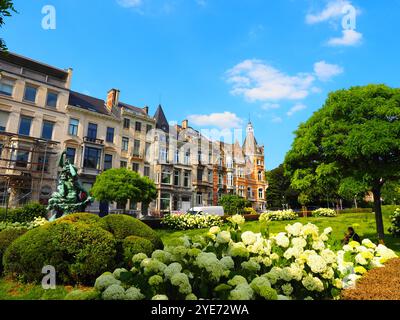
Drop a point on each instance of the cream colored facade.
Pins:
(188, 169)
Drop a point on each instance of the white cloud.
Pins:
(296, 108)
(325, 71)
(276, 119)
(222, 120)
(349, 38)
(258, 81)
(130, 3)
(270, 106)
(333, 10)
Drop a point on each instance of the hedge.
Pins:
(6, 238)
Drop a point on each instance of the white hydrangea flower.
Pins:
(223, 237)
(287, 289)
(299, 242)
(294, 229)
(313, 283)
(316, 263)
(282, 240)
(361, 260)
(215, 230)
(249, 238)
(228, 262)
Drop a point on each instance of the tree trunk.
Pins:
(378, 213)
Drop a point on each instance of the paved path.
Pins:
(378, 284)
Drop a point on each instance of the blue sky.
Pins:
(217, 61)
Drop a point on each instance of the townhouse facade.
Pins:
(41, 117)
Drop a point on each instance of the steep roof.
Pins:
(250, 145)
(161, 119)
(137, 110)
(86, 102)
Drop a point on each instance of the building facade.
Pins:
(41, 117)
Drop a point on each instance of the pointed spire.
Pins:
(161, 119)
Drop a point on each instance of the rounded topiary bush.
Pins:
(133, 245)
(122, 226)
(79, 252)
(6, 238)
(86, 218)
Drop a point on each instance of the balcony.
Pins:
(93, 141)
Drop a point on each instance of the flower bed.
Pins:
(296, 264)
(395, 220)
(281, 215)
(323, 212)
(187, 221)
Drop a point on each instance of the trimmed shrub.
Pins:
(250, 211)
(78, 251)
(133, 245)
(122, 226)
(83, 295)
(6, 238)
(280, 215)
(324, 212)
(24, 214)
(86, 218)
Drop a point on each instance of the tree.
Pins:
(121, 185)
(391, 192)
(356, 134)
(279, 191)
(6, 8)
(233, 204)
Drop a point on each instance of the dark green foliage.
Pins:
(78, 295)
(6, 9)
(122, 226)
(27, 213)
(6, 238)
(233, 204)
(353, 139)
(132, 245)
(79, 252)
(86, 218)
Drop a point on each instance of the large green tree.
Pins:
(280, 192)
(6, 9)
(233, 204)
(355, 135)
(121, 185)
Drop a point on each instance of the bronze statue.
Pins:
(70, 196)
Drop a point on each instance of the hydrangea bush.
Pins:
(324, 212)
(187, 221)
(395, 220)
(37, 222)
(281, 215)
(236, 265)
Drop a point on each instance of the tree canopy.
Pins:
(121, 185)
(233, 204)
(353, 139)
(6, 9)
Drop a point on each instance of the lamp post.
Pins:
(8, 191)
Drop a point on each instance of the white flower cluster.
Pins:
(324, 212)
(188, 221)
(281, 215)
(296, 264)
(395, 221)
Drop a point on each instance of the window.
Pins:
(163, 154)
(52, 98)
(229, 163)
(92, 131)
(176, 156)
(166, 178)
(146, 171)
(210, 157)
(199, 175)
(73, 127)
(199, 156)
(260, 194)
(110, 135)
(149, 127)
(123, 164)
(199, 198)
(165, 201)
(43, 163)
(125, 144)
(177, 175)
(71, 155)
(92, 158)
(249, 193)
(47, 130)
(210, 176)
(108, 161)
(6, 87)
(241, 191)
(30, 93)
(127, 123)
(3, 120)
(260, 176)
(135, 167)
(187, 157)
(186, 179)
(147, 151)
(230, 179)
(25, 126)
(220, 179)
(22, 159)
(136, 148)
(138, 126)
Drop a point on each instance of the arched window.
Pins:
(260, 176)
(260, 193)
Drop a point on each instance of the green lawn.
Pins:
(366, 229)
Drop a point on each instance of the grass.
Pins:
(339, 224)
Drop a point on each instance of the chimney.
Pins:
(146, 109)
(185, 124)
(112, 99)
(69, 78)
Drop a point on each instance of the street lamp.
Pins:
(8, 192)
